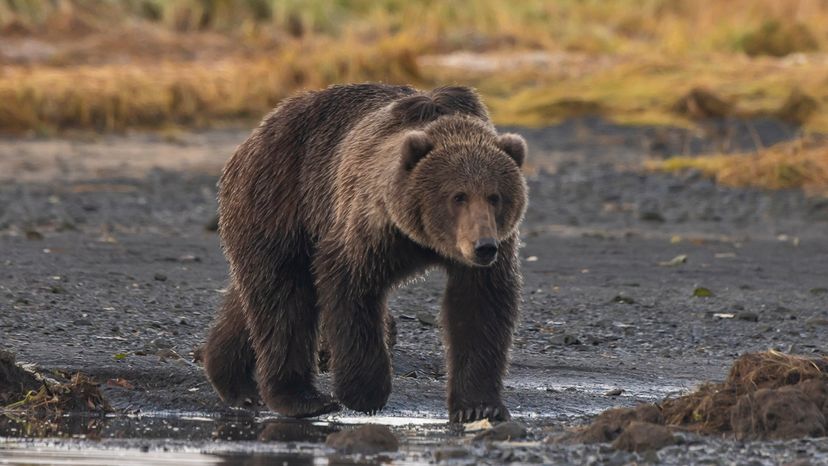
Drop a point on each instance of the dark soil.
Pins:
(118, 277)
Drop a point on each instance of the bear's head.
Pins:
(459, 188)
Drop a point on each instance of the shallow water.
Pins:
(244, 437)
(200, 439)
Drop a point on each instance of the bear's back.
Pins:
(293, 156)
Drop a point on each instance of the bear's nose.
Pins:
(485, 250)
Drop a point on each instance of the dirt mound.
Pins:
(25, 394)
(767, 395)
(612, 422)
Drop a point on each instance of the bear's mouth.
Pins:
(487, 263)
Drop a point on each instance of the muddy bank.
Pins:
(766, 396)
(120, 275)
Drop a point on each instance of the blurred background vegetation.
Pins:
(111, 65)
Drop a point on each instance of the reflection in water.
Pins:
(173, 438)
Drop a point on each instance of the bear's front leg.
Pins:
(480, 308)
(354, 327)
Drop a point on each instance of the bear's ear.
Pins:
(514, 145)
(415, 146)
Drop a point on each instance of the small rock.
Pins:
(650, 216)
(504, 431)
(160, 277)
(564, 339)
(748, 316)
(622, 299)
(427, 319)
(166, 353)
(643, 436)
(450, 453)
(678, 260)
(34, 235)
(817, 322)
(161, 343)
(368, 440)
(800, 462)
(82, 322)
(615, 392)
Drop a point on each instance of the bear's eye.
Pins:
(494, 199)
(459, 198)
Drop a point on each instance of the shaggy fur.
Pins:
(337, 197)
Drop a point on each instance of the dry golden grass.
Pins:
(799, 164)
(106, 65)
(195, 93)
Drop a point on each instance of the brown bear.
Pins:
(337, 197)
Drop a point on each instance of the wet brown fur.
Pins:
(340, 195)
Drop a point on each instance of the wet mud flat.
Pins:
(115, 272)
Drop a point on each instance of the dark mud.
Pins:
(117, 276)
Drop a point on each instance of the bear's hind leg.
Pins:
(283, 318)
(228, 356)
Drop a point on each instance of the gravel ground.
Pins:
(114, 272)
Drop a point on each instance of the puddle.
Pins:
(244, 438)
(201, 439)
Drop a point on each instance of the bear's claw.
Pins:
(482, 411)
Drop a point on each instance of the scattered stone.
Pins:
(748, 316)
(450, 453)
(167, 353)
(426, 318)
(678, 260)
(643, 436)
(160, 277)
(622, 299)
(651, 216)
(161, 343)
(817, 322)
(564, 339)
(34, 235)
(503, 432)
(615, 392)
(800, 462)
(82, 322)
(367, 440)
